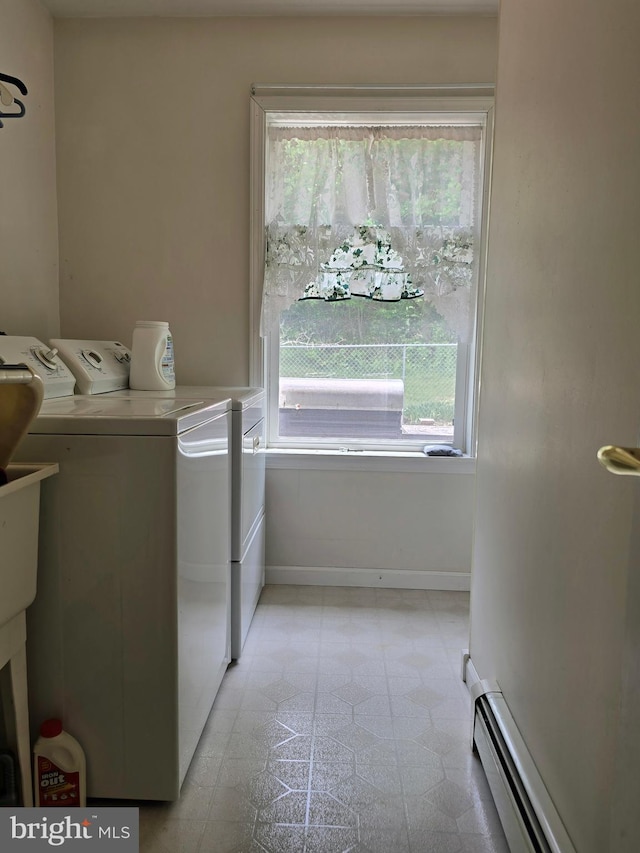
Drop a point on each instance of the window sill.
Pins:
(360, 460)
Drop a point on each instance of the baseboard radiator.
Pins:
(529, 818)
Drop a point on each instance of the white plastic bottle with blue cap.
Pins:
(152, 360)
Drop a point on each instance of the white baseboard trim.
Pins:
(469, 672)
(528, 814)
(381, 578)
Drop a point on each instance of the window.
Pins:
(368, 236)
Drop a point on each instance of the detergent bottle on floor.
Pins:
(59, 771)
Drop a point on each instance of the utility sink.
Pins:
(19, 519)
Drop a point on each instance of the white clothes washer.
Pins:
(129, 635)
(248, 494)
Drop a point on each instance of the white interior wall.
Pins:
(394, 528)
(559, 380)
(153, 171)
(153, 158)
(28, 213)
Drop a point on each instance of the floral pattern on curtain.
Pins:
(364, 265)
(381, 212)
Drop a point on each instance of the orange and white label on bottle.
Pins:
(56, 787)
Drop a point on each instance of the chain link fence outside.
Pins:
(428, 372)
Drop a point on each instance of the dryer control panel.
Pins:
(42, 359)
(98, 366)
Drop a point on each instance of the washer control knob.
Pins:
(46, 357)
(92, 357)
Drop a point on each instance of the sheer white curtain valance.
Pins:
(402, 200)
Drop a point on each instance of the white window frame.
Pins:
(476, 101)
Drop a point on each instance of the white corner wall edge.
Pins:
(555, 833)
(381, 578)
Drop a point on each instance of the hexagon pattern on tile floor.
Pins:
(343, 728)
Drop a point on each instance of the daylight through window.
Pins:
(373, 234)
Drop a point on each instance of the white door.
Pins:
(625, 832)
(554, 587)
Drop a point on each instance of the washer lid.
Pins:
(111, 415)
(240, 396)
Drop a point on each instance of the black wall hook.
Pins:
(14, 81)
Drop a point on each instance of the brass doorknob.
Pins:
(620, 460)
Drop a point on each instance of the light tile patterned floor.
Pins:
(343, 727)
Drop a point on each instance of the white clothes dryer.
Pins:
(247, 490)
